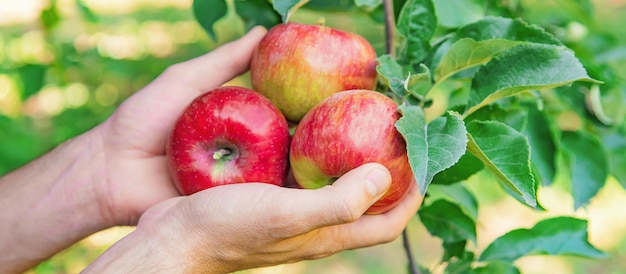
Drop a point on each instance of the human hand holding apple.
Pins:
(239, 226)
(336, 136)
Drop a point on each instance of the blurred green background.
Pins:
(65, 66)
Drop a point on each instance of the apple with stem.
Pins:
(298, 65)
(225, 136)
(344, 131)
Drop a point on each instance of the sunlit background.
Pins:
(65, 65)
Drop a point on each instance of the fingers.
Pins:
(344, 201)
(368, 230)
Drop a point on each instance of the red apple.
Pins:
(225, 136)
(344, 131)
(297, 66)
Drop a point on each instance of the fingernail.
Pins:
(377, 181)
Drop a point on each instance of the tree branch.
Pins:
(390, 28)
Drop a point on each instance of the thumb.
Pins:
(344, 201)
(373, 178)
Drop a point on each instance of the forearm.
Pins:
(51, 203)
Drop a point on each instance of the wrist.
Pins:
(159, 244)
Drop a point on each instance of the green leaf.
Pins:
(447, 221)
(287, 7)
(256, 12)
(368, 4)
(505, 153)
(556, 236)
(588, 165)
(207, 12)
(467, 53)
(458, 194)
(32, 76)
(513, 116)
(451, 250)
(419, 83)
(330, 5)
(506, 28)
(447, 140)
(523, 68)
(431, 148)
(542, 146)
(467, 166)
(496, 267)
(500, 28)
(412, 126)
(400, 81)
(458, 266)
(417, 24)
(457, 13)
(391, 74)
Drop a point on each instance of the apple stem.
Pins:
(321, 21)
(220, 153)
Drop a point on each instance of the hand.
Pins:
(134, 137)
(242, 226)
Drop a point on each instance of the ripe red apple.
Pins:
(297, 66)
(344, 131)
(228, 135)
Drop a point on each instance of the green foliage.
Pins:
(512, 82)
(286, 7)
(496, 267)
(416, 24)
(447, 12)
(587, 163)
(433, 147)
(256, 12)
(467, 53)
(209, 12)
(447, 221)
(509, 160)
(555, 236)
(524, 68)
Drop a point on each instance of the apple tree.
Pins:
(482, 89)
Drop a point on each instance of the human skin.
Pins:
(115, 174)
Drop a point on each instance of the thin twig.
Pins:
(409, 254)
(390, 28)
